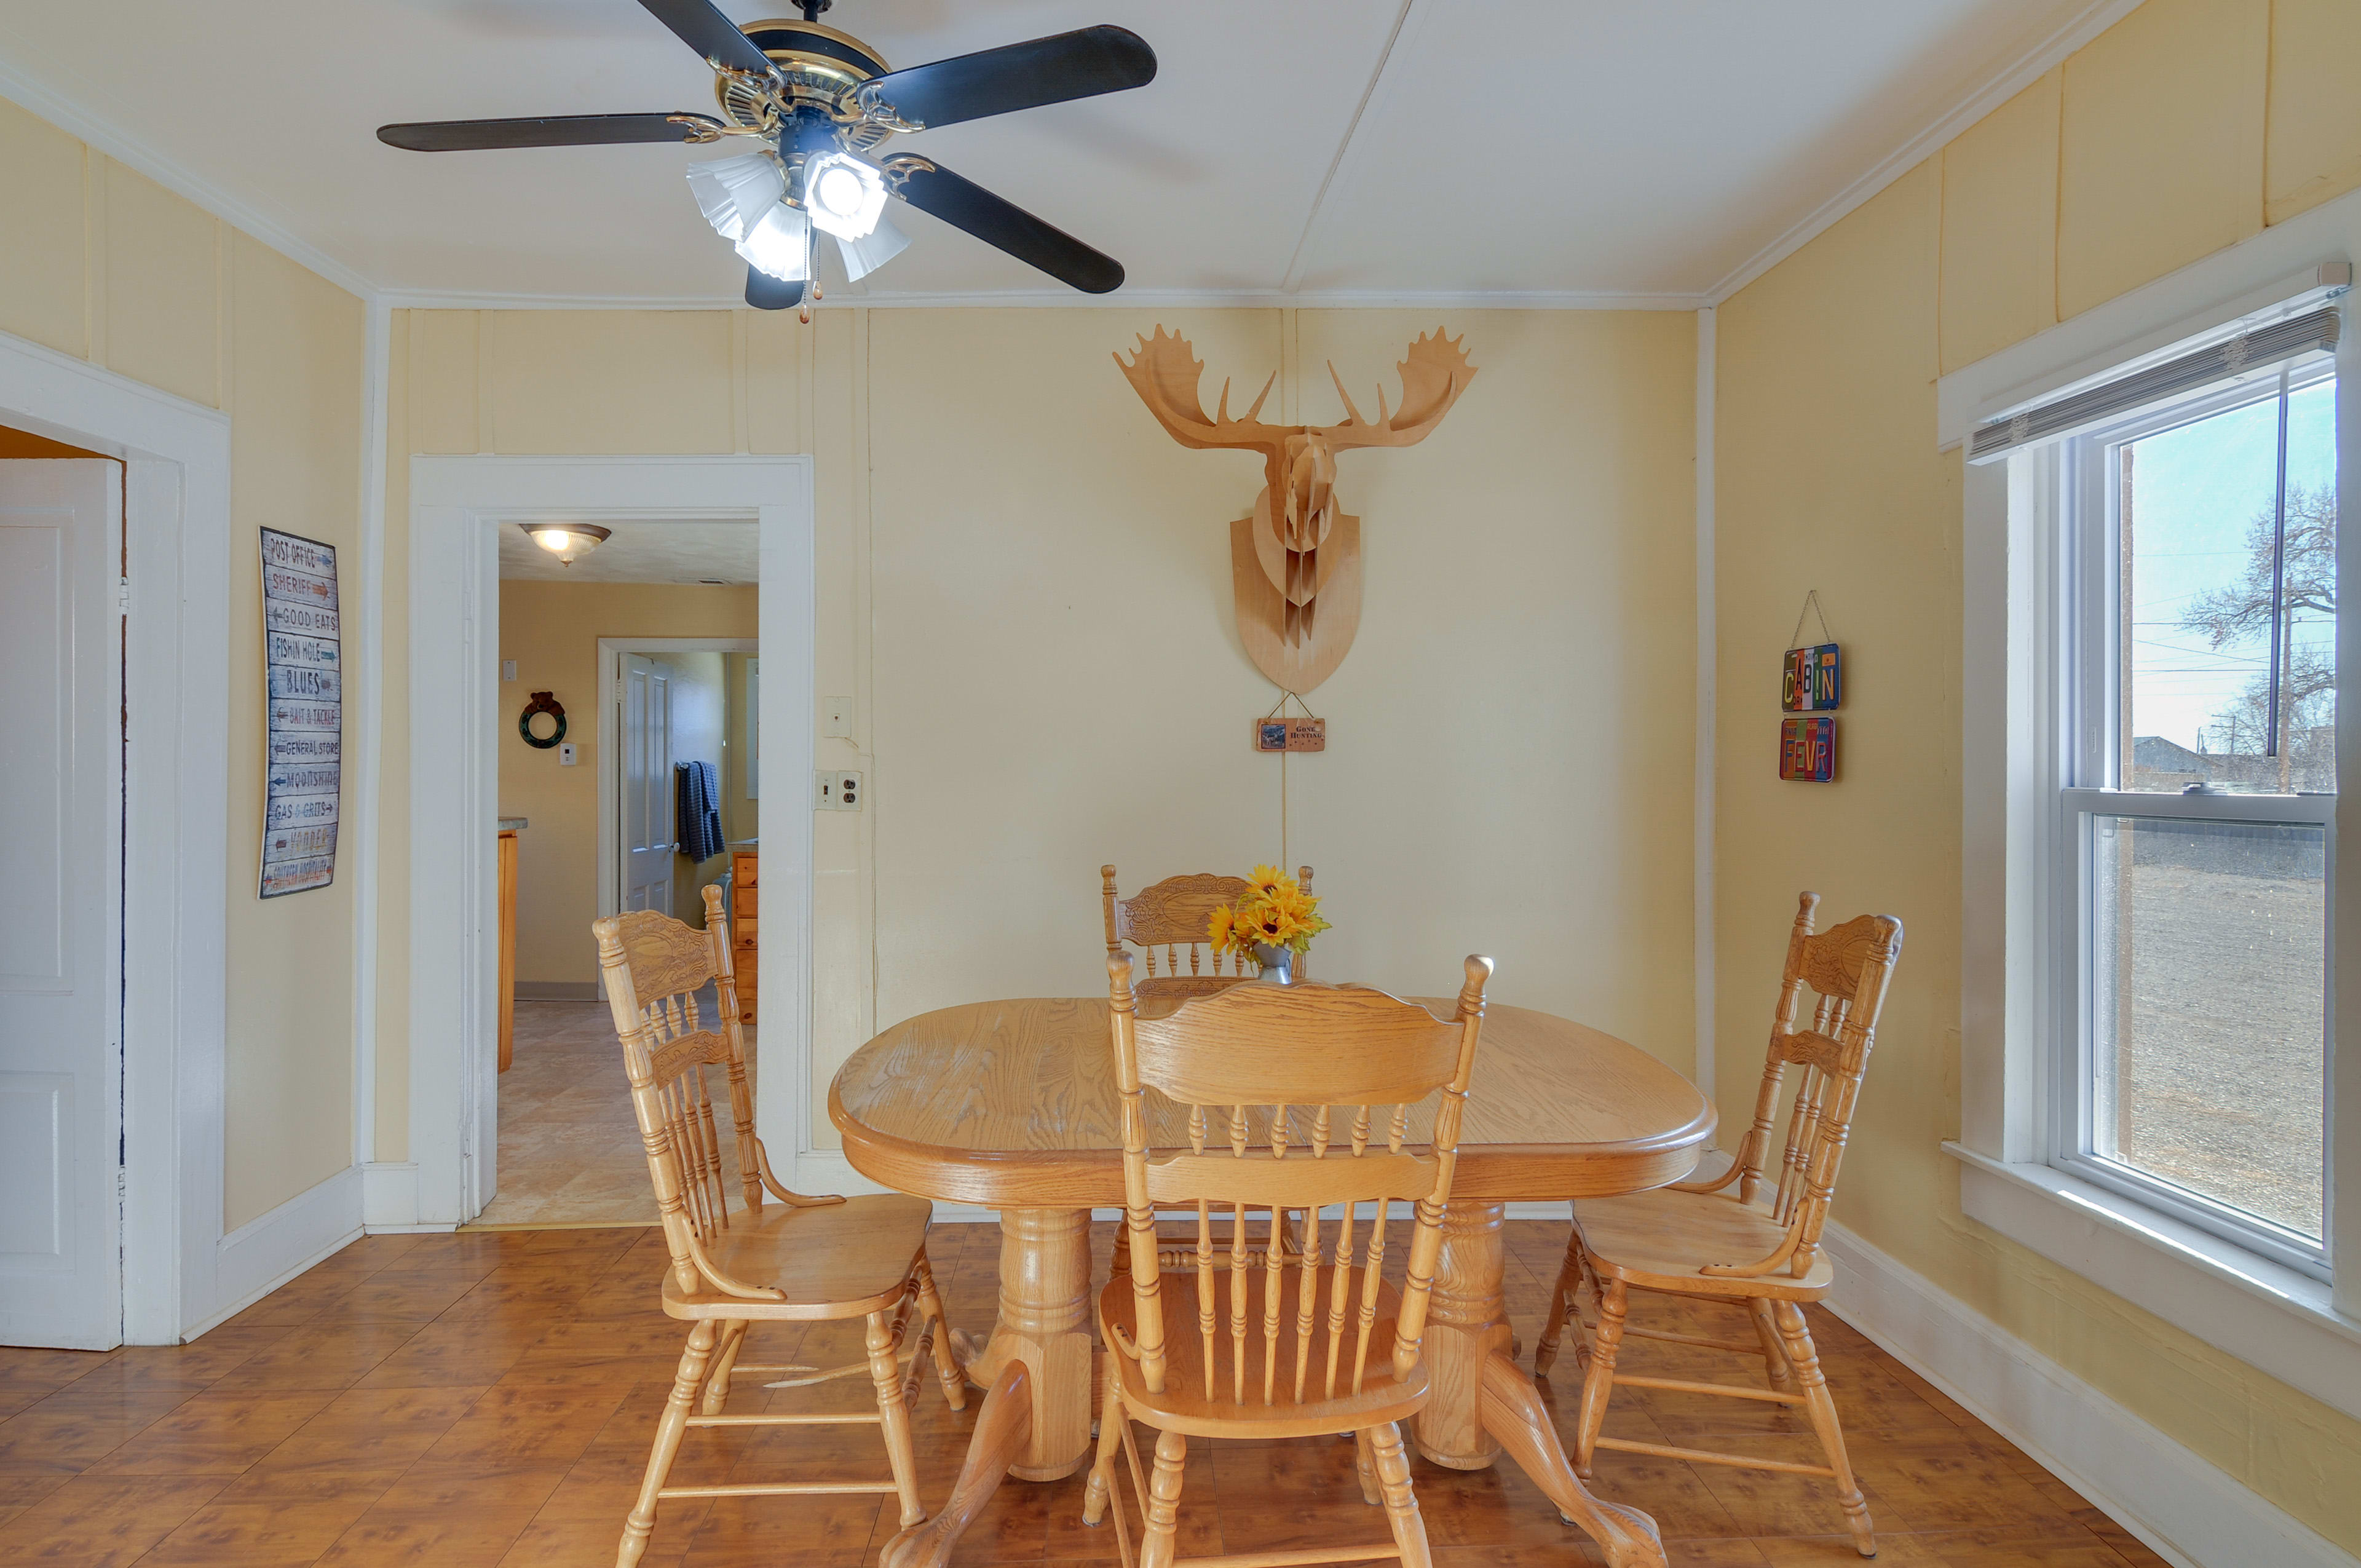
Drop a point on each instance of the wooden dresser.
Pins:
(745, 915)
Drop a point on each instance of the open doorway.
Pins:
(626, 781)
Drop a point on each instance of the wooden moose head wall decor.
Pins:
(1295, 565)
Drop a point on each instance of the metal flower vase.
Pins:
(1278, 963)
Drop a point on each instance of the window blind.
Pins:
(2261, 348)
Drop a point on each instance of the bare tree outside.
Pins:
(2241, 611)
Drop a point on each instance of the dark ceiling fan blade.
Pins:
(552, 130)
(765, 292)
(965, 204)
(701, 26)
(1080, 64)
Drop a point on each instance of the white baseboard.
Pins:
(264, 1253)
(389, 1200)
(2187, 1509)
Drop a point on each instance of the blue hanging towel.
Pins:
(697, 799)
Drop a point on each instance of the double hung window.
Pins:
(2193, 766)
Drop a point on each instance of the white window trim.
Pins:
(2275, 1318)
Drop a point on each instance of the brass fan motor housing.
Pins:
(819, 66)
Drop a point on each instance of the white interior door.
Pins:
(649, 836)
(60, 890)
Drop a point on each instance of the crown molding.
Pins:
(1997, 89)
(20, 87)
(1060, 298)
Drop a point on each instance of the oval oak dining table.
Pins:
(1011, 1105)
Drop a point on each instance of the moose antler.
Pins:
(1434, 374)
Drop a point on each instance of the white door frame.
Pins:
(609, 758)
(176, 788)
(456, 506)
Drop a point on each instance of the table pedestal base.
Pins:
(1465, 1323)
(1045, 1326)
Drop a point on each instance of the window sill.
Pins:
(2265, 1313)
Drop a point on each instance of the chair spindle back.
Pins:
(1173, 914)
(1274, 1065)
(653, 967)
(1846, 970)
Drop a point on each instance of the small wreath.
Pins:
(542, 702)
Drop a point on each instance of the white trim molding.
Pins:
(2189, 1276)
(264, 1253)
(2185, 1508)
(176, 794)
(457, 507)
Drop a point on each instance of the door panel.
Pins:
(61, 822)
(644, 736)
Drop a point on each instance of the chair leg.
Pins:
(1569, 1281)
(1775, 1370)
(1814, 1386)
(1402, 1503)
(1367, 1464)
(1159, 1541)
(1111, 1419)
(1599, 1382)
(641, 1521)
(948, 1371)
(885, 1371)
(717, 1385)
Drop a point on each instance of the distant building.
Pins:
(2161, 764)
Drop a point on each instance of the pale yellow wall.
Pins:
(1025, 584)
(2160, 145)
(552, 630)
(1827, 476)
(101, 263)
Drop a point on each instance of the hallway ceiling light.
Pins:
(567, 540)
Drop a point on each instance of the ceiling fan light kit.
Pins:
(815, 104)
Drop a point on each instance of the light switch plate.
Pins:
(508, 669)
(565, 754)
(839, 790)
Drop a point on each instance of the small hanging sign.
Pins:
(1275, 734)
(1808, 750)
(1813, 680)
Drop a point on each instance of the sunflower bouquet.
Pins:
(1275, 913)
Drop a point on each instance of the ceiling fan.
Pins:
(814, 106)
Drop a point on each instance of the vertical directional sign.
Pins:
(304, 696)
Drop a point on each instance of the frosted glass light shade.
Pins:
(844, 195)
(866, 255)
(780, 244)
(734, 192)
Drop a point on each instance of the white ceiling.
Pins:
(667, 552)
(1320, 148)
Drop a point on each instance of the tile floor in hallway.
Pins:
(570, 1150)
(485, 1400)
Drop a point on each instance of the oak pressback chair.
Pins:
(1750, 1237)
(804, 1259)
(1173, 914)
(1296, 1098)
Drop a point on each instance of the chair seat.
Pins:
(1185, 1405)
(1661, 1239)
(832, 1260)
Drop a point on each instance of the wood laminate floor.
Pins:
(486, 1399)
